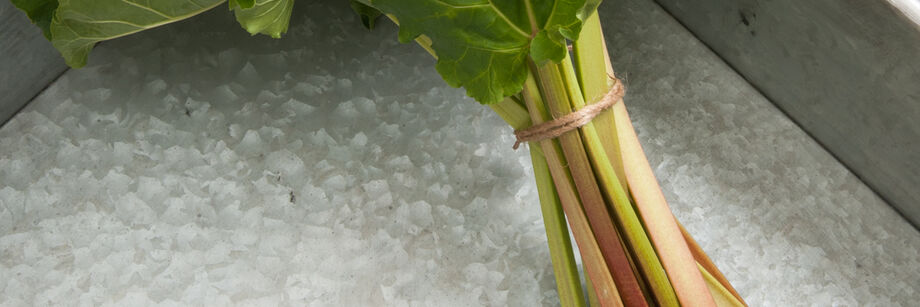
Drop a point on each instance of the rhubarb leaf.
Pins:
(368, 14)
(242, 3)
(269, 17)
(484, 45)
(79, 24)
(41, 12)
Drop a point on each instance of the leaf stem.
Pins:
(555, 93)
(565, 270)
(645, 257)
(707, 267)
(594, 261)
(557, 234)
(688, 283)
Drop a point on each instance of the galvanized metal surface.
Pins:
(785, 221)
(28, 62)
(847, 71)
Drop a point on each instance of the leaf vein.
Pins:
(149, 9)
(471, 6)
(505, 18)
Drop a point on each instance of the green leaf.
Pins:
(242, 3)
(368, 14)
(41, 12)
(79, 24)
(269, 17)
(589, 8)
(564, 23)
(546, 48)
(484, 45)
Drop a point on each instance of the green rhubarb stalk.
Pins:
(592, 257)
(673, 252)
(594, 83)
(554, 92)
(646, 258)
(656, 214)
(566, 272)
(516, 115)
(720, 294)
(592, 295)
(568, 283)
(708, 267)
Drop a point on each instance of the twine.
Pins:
(559, 126)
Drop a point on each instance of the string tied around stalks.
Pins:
(559, 126)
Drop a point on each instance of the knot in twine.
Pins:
(559, 126)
